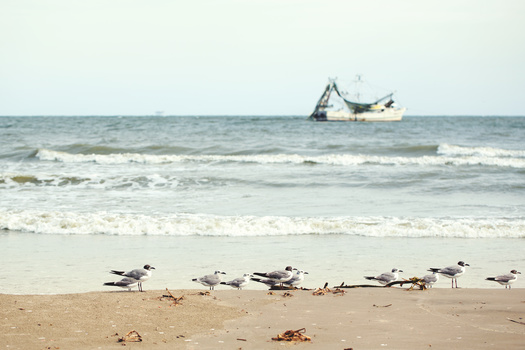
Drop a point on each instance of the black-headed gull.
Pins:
(452, 272)
(505, 280)
(279, 276)
(141, 275)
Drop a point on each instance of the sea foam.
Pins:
(106, 223)
(329, 159)
(454, 150)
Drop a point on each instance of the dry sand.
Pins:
(375, 318)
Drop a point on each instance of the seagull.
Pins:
(296, 279)
(269, 282)
(430, 280)
(126, 282)
(386, 278)
(452, 272)
(505, 280)
(141, 275)
(279, 276)
(240, 282)
(210, 280)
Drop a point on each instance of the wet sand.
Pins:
(365, 318)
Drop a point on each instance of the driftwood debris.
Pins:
(176, 301)
(326, 290)
(414, 281)
(131, 336)
(278, 287)
(287, 288)
(511, 320)
(388, 305)
(291, 335)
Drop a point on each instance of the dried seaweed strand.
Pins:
(291, 335)
(131, 336)
(176, 301)
(325, 290)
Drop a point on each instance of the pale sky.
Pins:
(258, 57)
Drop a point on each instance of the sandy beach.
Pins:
(364, 318)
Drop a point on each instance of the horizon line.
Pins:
(235, 115)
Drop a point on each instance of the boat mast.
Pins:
(325, 97)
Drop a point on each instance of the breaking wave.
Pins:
(105, 223)
(331, 159)
(453, 150)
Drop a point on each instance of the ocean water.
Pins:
(190, 195)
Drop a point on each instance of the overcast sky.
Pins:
(258, 57)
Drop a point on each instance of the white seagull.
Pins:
(126, 282)
(386, 277)
(240, 282)
(141, 275)
(279, 276)
(452, 272)
(210, 280)
(505, 280)
(296, 279)
(430, 280)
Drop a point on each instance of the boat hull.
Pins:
(386, 115)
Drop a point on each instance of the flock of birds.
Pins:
(291, 277)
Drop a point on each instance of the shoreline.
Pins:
(360, 318)
(344, 259)
(222, 288)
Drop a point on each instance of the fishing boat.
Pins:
(335, 105)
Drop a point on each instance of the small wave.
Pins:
(453, 150)
(330, 159)
(54, 222)
(414, 150)
(87, 148)
(14, 180)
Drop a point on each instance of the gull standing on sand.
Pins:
(141, 275)
(126, 282)
(240, 282)
(279, 276)
(452, 272)
(210, 280)
(269, 282)
(505, 280)
(296, 279)
(430, 280)
(386, 277)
